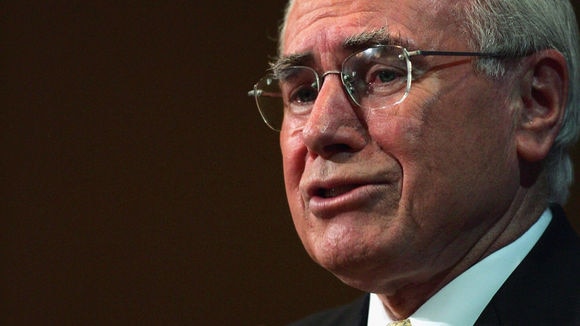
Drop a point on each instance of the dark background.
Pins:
(139, 185)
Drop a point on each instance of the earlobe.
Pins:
(544, 92)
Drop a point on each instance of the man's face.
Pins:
(385, 198)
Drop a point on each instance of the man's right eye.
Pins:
(303, 95)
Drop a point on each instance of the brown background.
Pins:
(139, 184)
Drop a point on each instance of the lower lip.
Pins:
(357, 198)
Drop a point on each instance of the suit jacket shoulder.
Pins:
(354, 314)
(545, 288)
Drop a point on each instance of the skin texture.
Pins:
(423, 190)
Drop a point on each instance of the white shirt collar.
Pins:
(462, 300)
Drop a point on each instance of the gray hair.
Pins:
(521, 27)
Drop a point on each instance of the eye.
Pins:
(305, 94)
(385, 80)
(384, 75)
(299, 86)
(301, 99)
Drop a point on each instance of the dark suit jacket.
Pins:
(543, 290)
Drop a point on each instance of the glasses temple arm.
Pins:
(454, 53)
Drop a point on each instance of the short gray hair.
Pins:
(520, 27)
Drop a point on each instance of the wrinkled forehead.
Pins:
(328, 24)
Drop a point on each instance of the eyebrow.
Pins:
(374, 37)
(283, 62)
(353, 43)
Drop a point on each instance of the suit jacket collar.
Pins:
(545, 287)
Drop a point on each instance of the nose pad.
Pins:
(346, 87)
(334, 124)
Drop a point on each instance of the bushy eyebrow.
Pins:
(353, 43)
(373, 37)
(283, 62)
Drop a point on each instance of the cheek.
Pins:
(293, 158)
(293, 161)
(396, 135)
(450, 150)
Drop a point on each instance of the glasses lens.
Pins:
(378, 77)
(269, 101)
(288, 94)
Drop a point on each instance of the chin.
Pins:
(364, 279)
(357, 266)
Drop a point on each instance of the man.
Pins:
(425, 151)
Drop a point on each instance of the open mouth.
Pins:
(334, 191)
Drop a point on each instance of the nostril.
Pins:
(329, 142)
(338, 148)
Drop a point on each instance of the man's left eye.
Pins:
(386, 76)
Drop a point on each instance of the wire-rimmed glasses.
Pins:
(378, 77)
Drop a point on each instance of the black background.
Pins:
(139, 184)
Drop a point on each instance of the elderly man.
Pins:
(425, 151)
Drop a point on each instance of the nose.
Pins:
(335, 124)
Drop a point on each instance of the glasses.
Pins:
(376, 78)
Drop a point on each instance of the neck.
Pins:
(524, 211)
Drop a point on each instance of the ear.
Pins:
(543, 96)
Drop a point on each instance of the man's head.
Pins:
(401, 195)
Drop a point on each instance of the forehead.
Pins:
(325, 25)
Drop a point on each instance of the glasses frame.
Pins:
(406, 55)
